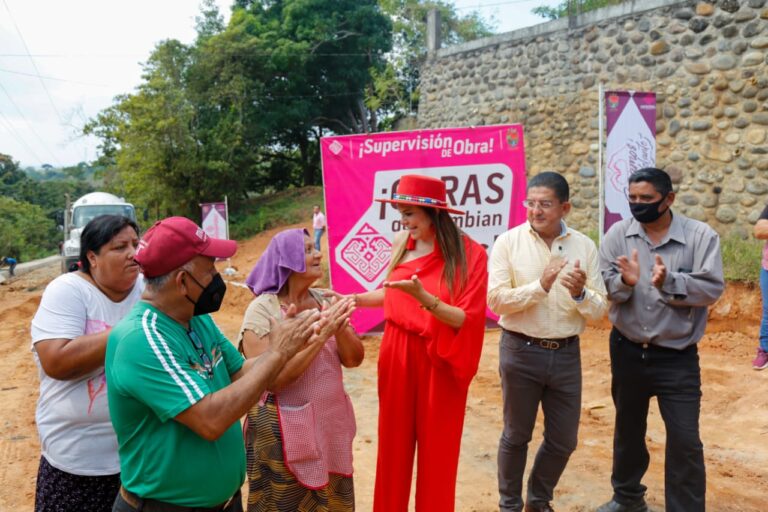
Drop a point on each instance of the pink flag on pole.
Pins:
(630, 145)
(484, 172)
(215, 219)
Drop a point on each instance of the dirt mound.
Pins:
(734, 417)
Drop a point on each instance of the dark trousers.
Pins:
(58, 490)
(121, 505)
(674, 378)
(531, 375)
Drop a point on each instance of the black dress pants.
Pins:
(640, 372)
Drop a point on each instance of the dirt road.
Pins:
(734, 413)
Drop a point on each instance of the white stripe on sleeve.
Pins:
(167, 349)
(162, 360)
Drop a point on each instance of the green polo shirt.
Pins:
(154, 372)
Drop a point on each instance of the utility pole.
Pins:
(433, 31)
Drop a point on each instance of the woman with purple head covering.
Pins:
(299, 436)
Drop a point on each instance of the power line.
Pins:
(318, 95)
(74, 55)
(13, 132)
(37, 71)
(29, 125)
(496, 4)
(51, 78)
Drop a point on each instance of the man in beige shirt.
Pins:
(544, 282)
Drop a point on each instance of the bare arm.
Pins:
(371, 299)
(216, 412)
(350, 347)
(336, 321)
(65, 359)
(761, 229)
(450, 315)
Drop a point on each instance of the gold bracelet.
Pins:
(433, 306)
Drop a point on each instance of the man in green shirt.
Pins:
(177, 386)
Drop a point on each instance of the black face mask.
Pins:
(645, 213)
(210, 300)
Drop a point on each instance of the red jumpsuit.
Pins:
(425, 368)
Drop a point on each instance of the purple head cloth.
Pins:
(284, 255)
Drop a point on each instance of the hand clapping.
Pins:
(336, 316)
(575, 280)
(551, 271)
(630, 270)
(659, 273)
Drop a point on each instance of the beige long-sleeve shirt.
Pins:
(517, 262)
(674, 316)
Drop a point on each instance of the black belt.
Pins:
(547, 343)
(148, 505)
(655, 347)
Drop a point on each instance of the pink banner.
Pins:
(484, 172)
(630, 145)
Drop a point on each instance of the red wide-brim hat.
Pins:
(423, 191)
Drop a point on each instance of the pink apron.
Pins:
(317, 421)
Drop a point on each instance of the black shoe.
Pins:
(546, 507)
(613, 506)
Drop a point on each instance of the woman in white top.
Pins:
(79, 467)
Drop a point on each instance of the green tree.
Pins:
(47, 194)
(571, 8)
(10, 172)
(395, 92)
(316, 63)
(242, 108)
(25, 232)
(150, 138)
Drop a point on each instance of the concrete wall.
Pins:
(707, 62)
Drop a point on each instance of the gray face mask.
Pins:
(213, 295)
(645, 213)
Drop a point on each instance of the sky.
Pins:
(86, 52)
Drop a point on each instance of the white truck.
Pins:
(82, 211)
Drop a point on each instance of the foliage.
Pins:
(242, 109)
(151, 137)
(571, 8)
(741, 258)
(290, 206)
(594, 235)
(48, 194)
(25, 232)
(395, 92)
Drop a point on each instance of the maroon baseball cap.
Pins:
(174, 241)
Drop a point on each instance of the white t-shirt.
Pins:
(72, 416)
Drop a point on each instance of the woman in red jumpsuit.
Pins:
(434, 309)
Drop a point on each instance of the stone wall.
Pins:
(707, 62)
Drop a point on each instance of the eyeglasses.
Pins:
(201, 352)
(544, 205)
